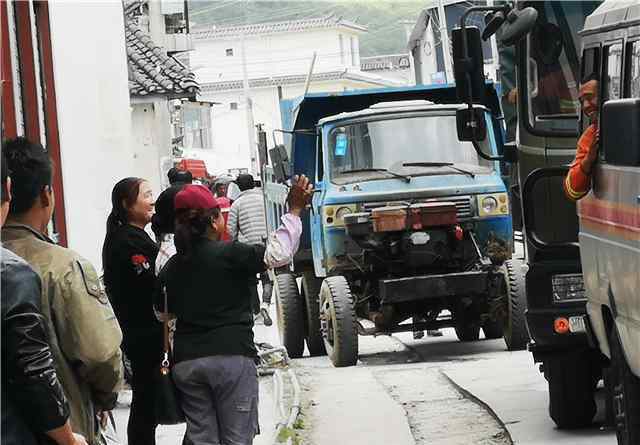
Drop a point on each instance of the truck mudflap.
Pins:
(397, 290)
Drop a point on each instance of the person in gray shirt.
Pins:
(247, 224)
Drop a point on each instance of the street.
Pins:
(436, 390)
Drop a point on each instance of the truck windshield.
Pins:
(552, 65)
(418, 145)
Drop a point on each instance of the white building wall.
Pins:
(90, 69)
(273, 55)
(151, 140)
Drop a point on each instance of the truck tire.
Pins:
(311, 292)
(468, 332)
(493, 329)
(626, 394)
(338, 321)
(515, 335)
(571, 389)
(290, 311)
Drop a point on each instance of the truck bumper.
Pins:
(398, 290)
(546, 341)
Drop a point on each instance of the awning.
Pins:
(197, 167)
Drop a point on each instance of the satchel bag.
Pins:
(168, 408)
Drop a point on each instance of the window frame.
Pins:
(627, 65)
(604, 69)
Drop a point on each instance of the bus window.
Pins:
(590, 63)
(613, 72)
(633, 77)
(553, 71)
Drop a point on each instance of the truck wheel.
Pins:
(290, 310)
(338, 321)
(571, 389)
(311, 291)
(515, 335)
(468, 332)
(626, 395)
(493, 329)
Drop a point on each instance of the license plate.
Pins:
(576, 324)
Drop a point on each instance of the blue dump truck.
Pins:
(410, 229)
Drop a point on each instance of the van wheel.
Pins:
(571, 389)
(515, 334)
(311, 293)
(338, 321)
(626, 394)
(290, 311)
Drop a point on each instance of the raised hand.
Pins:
(300, 194)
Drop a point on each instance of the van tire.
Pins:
(626, 394)
(338, 321)
(515, 335)
(290, 311)
(571, 389)
(311, 293)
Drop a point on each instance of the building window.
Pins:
(233, 106)
(196, 118)
(341, 48)
(229, 52)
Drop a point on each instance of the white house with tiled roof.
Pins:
(278, 58)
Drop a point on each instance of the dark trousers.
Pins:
(141, 429)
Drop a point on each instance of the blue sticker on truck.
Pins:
(341, 145)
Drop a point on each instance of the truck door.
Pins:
(317, 244)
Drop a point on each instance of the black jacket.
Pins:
(32, 399)
(130, 278)
(210, 294)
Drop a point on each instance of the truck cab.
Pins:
(409, 229)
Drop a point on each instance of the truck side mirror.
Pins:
(620, 132)
(471, 127)
(280, 163)
(468, 66)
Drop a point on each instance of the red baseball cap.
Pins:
(195, 197)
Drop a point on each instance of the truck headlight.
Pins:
(568, 287)
(334, 215)
(495, 204)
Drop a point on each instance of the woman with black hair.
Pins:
(208, 288)
(128, 258)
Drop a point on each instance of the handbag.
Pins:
(168, 409)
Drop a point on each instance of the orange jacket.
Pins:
(578, 183)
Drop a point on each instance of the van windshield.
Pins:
(415, 146)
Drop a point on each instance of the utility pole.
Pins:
(444, 40)
(248, 103)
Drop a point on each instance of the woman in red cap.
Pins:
(208, 288)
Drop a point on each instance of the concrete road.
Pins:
(438, 390)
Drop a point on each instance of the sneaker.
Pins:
(417, 335)
(434, 333)
(264, 311)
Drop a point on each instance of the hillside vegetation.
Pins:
(382, 17)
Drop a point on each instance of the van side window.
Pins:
(633, 76)
(613, 72)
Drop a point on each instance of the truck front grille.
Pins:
(463, 204)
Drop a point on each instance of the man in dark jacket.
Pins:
(34, 407)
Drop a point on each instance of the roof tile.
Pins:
(151, 71)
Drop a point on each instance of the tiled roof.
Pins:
(223, 32)
(151, 71)
(262, 82)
